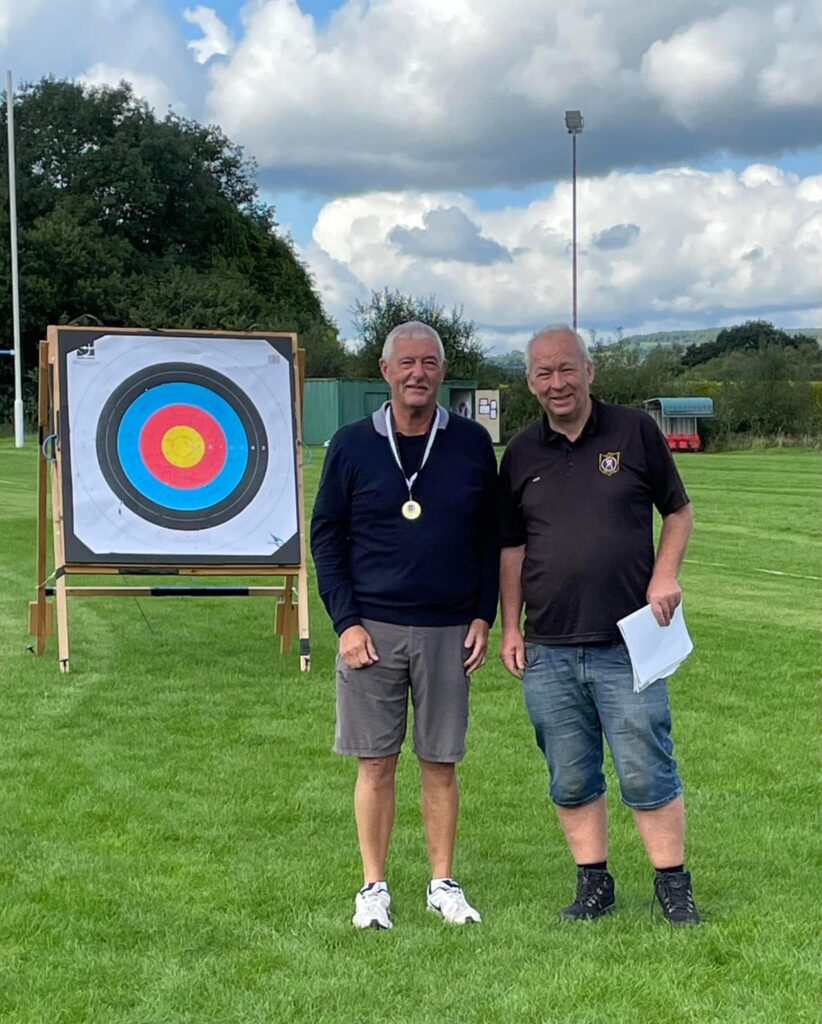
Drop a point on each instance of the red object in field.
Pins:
(684, 442)
(677, 419)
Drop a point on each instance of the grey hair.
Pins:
(417, 331)
(556, 329)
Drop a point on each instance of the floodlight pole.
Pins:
(574, 123)
(574, 217)
(15, 289)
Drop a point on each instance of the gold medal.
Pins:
(412, 509)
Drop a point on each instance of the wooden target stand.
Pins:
(50, 607)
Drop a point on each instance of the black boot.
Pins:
(595, 896)
(676, 897)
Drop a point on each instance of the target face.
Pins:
(182, 446)
(179, 447)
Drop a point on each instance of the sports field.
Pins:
(178, 843)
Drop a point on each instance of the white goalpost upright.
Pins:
(15, 289)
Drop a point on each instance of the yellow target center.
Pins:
(183, 446)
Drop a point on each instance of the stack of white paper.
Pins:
(656, 651)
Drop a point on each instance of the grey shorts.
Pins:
(372, 702)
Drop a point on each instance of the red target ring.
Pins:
(195, 465)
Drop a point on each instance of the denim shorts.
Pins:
(575, 695)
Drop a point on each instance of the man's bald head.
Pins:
(556, 329)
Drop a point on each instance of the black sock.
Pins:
(600, 865)
(677, 868)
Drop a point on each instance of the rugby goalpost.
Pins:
(125, 502)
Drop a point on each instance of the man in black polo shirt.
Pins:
(578, 492)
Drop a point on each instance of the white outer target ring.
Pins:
(104, 524)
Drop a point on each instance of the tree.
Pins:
(625, 376)
(146, 223)
(746, 337)
(761, 395)
(386, 310)
(518, 406)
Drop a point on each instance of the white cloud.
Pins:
(470, 93)
(217, 39)
(691, 245)
(702, 68)
(102, 41)
(795, 74)
(147, 87)
(339, 288)
(499, 342)
(14, 14)
(797, 318)
(715, 64)
(113, 10)
(448, 234)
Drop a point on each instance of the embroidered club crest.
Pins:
(609, 463)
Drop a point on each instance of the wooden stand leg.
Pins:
(302, 611)
(286, 624)
(61, 598)
(38, 623)
(62, 624)
(57, 516)
(302, 578)
(41, 624)
(40, 611)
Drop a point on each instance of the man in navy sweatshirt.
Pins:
(404, 538)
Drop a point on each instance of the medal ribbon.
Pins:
(409, 481)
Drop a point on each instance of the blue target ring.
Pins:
(158, 391)
(141, 477)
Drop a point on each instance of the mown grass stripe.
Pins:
(769, 572)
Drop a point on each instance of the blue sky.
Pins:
(229, 12)
(420, 146)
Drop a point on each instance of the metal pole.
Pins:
(574, 220)
(15, 291)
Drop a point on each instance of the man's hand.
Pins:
(477, 640)
(664, 594)
(357, 648)
(512, 652)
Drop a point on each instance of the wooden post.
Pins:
(40, 617)
(287, 619)
(302, 578)
(60, 595)
(300, 389)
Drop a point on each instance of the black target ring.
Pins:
(118, 454)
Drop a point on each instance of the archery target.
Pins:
(181, 447)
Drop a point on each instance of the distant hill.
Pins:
(510, 361)
(645, 342)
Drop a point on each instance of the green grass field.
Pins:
(178, 843)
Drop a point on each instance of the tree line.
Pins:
(762, 379)
(764, 382)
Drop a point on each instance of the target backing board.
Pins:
(178, 448)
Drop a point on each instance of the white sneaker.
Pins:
(447, 898)
(371, 906)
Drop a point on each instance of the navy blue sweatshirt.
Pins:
(439, 570)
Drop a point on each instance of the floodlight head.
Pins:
(574, 121)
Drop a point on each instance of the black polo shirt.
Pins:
(584, 510)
